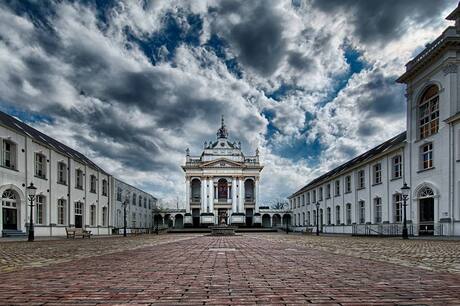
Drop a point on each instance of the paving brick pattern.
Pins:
(433, 254)
(16, 255)
(241, 270)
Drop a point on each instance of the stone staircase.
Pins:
(13, 233)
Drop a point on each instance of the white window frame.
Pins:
(397, 208)
(426, 156)
(362, 212)
(40, 209)
(377, 210)
(396, 167)
(62, 173)
(78, 179)
(337, 188)
(40, 165)
(348, 184)
(61, 212)
(377, 173)
(361, 179)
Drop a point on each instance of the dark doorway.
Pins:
(10, 218)
(249, 214)
(426, 217)
(78, 221)
(222, 213)
(196, 217)
(179, 221)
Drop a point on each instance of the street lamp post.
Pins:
(405, 190)
(317, 218)
(125, 205)
(31, 190)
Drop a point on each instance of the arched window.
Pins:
(428, 111)
(426, 192)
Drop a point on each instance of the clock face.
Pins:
(222, 144)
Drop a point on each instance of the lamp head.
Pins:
(31, 190)
(405, 190)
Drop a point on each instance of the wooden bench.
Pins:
(73, 232)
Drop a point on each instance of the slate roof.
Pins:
(41, 138)
(381, 148)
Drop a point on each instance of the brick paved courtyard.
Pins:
(249, 269)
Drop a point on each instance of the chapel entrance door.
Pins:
(222, 213)
(10, 218)
(426, 217)
(196, 217)
(249, 214)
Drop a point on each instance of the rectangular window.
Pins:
(104, 187)
(377, 169)
(320, 193)
(328, 216)
(314, 196)
(314, 218)
(78, 179)
(92, 213)
(337, 215)
(348, 214)
(427, 156)
(40, 209)
(348, 184)
(140, 201)
(119, 194)
(303, 199)
(134, 200)
(362, 212)
(79, 208)
(337, 188)
(62, 173)
(378, 210)
(397, 204)
(92, 184)
(396, 167)
(9, 154)
(133, 221)
(40, 165)
(328, 191)
(104, 216)
(308, 198)
(61, 212)
(145, 203)
(361, 179)
(308, 218)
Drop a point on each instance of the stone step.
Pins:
(13, 233)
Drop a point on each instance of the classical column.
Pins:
(257, 194)
(187, 194)
(241, 201)
(211, 195)
(203, 195)
(234, 203)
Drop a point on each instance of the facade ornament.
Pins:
(450, 68)
(205, 144)
(222, 132)
(257, 151)
(187, 152)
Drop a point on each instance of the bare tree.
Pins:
(280, 204)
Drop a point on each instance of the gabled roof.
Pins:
(27, 130)
(381, 148)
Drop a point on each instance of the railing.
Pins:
(137, 231)
(390, 229)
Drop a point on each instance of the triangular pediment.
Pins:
(222, 163)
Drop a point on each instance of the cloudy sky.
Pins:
(132, 84)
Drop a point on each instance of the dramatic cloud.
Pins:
(132, 84)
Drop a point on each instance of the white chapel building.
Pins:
(363, 196)
(222, 184)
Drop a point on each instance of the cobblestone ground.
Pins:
(16, 255)
(248, 269)
(436, 255)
